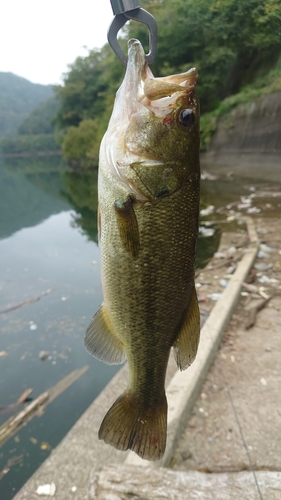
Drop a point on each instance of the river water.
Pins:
(50, 270)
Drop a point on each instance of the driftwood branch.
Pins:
(252, 313)
(22, 399)
(25, 303)
(11, 425)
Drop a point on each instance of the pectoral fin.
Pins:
(101, 341)
(128, 227)
(185, 347)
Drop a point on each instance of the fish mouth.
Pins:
(158, 94)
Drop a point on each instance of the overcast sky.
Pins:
(39, 39)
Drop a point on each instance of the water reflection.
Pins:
(82, 193)
(47, 243)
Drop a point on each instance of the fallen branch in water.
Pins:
(22, 399)
(11, 425)
(25, 303)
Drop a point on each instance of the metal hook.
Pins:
(125, 10)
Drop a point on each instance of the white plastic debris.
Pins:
(32, 325)
(261, 266)
(262, 255)
(247, 204)
(47, 490)
(223, 283)
(253, 210)
(230, 269)
(206, 231)
(219, 255)
(231, 250)
(264, 279)
(207, 211)
(266, 248)
(214, 296)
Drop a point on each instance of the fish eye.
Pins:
(186, 117)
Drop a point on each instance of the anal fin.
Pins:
(101, 341)
(186, 345)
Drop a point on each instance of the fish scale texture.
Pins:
(147, 296)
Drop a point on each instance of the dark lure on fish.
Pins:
(149, 178)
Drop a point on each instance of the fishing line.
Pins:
(240, 429)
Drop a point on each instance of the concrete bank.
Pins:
(80, 454)
(248, 141)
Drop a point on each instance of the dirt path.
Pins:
(237, 419)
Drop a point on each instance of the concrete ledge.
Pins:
(119, 482)
(186, 386)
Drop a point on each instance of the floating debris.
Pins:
(43, 355)
(45, 446)
(3, 354)
(32, 325)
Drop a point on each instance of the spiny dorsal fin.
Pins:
(186, 344)
(101, 341)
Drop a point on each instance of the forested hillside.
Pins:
(235, 45)
(39, 121)
(18, 97)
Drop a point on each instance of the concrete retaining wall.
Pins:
(248, 141)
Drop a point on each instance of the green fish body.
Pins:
(149, 179)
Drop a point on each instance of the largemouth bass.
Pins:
(148, 224)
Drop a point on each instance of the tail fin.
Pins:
(127, 425)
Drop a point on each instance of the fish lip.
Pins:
(152, 92)
(137, 73)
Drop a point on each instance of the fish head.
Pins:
(155, 121)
